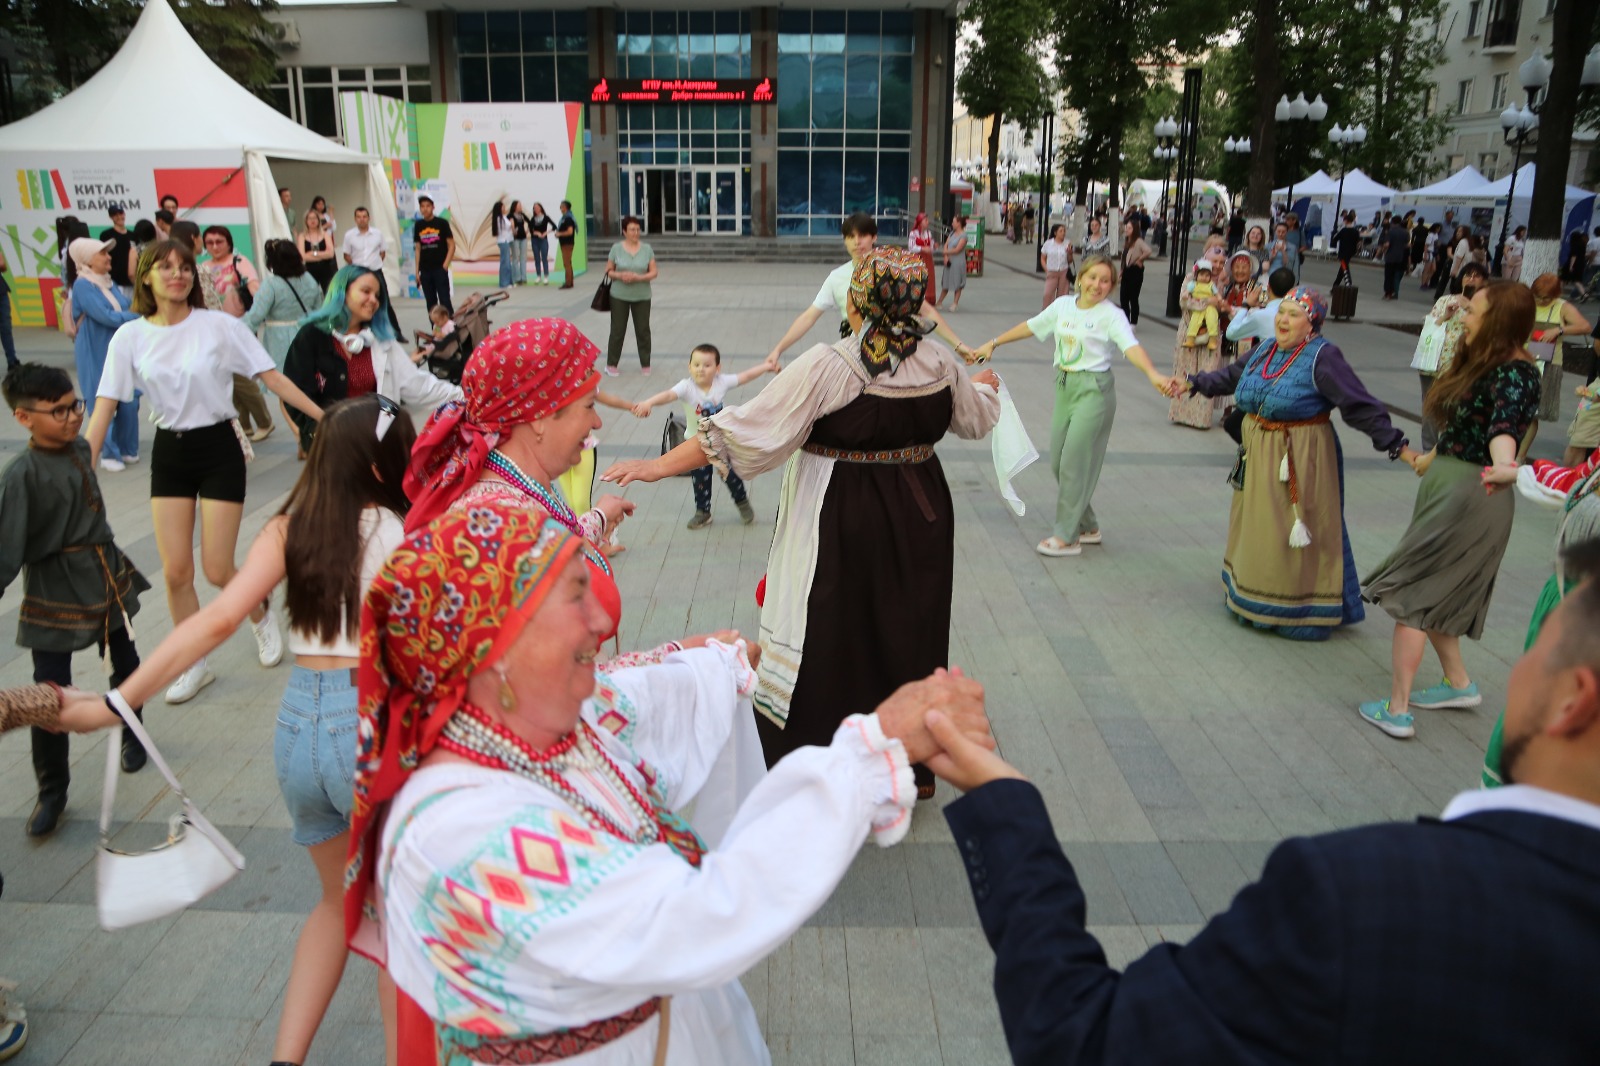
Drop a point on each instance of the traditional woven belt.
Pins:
(917, 453)
(557, 1046)
(1271, 426)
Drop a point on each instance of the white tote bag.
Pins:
(195, 861)
(1013, 451)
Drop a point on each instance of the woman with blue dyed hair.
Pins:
(347, 347)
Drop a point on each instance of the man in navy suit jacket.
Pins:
(1472, 938)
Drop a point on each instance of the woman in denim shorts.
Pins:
(341, 521)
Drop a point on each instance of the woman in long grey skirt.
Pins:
(1437, 582)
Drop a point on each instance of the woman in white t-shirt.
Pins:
(1056, 259)
(1088, 332)
(183, 358)
(341, 522)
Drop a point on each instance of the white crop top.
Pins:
(381, 533)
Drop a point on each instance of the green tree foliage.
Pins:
(33, 76)
(1001, 75)
(72, 39)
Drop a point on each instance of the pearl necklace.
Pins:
(470, 734)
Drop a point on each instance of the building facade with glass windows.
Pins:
(858, 119)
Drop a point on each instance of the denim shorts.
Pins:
(314, 752)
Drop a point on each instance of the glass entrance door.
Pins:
(651, 194)
(713, 193)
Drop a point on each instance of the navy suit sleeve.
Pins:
(1261, 983)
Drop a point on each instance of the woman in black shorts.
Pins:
(183, 358)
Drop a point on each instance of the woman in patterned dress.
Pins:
(1197, 411)
(1437, 582)
(863, 559)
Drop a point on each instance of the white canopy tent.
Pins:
(1461, 193)
(1465, 182)
(222, 151)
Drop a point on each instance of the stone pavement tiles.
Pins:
(1173, 747)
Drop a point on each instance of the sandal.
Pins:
(1057, 548)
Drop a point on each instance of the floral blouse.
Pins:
(1504, 402)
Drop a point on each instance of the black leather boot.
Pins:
(50, 768)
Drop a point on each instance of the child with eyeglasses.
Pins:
(78, 587)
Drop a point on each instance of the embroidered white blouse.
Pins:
(508, 914)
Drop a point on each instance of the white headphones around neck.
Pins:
(356, 343)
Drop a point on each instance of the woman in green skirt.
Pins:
(1088, 332)
(1437, 582)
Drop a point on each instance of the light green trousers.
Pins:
(1086, 405)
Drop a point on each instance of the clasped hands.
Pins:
(943, 725)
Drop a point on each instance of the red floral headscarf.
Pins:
(448, 603)
(525, 371)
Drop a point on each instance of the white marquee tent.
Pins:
(221, 150)
(1460, 192)
(1467, 181)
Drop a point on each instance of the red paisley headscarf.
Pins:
(448, 603)
(525, 371)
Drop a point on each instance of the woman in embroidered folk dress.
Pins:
(540, 897)
(1198, 412)
(1437, 582)
(1288, 564)
(863, 558)
(526, 414)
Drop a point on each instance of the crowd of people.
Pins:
(481, 788)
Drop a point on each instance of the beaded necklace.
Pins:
(552, 503)
(1267, 373)
(557, 508)
(471, 734)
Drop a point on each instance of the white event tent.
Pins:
(1467, 189)
(222, 152)
(1362, 194)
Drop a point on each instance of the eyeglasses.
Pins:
(61, 412)
(388, 411)
(174, 269)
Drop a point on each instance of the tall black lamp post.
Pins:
(1046, 153)
(1188, 132)
(1298, 110)
(1344, 139)
(1166, 131)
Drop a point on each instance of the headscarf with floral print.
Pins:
(889, 287)
(1312, 302)
(525, 371)
(448, 603)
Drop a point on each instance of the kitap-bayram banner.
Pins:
(478, 154)
(37, 188)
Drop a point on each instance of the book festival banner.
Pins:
(37, 188)
(467, 157)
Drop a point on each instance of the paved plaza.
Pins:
(1173, 747)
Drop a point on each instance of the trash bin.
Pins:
(975, 228)
(1344, 301)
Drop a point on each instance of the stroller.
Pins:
(448, 359)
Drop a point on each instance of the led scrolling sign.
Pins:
(683, 91)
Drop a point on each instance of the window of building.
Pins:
(1498, 93)
(1487, 162)
(1433, 100)
(1500, 30)
(1474, 13)
(1464, 97)
(517, 56)
(844, 118)
(310, 95)
(683, 44)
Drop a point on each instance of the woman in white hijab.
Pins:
(98, 309)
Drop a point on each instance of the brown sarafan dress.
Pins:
(859, 577)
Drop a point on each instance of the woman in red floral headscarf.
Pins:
(517, 861)
(527, 409)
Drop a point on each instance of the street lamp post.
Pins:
(1343, 139)
(1166, 131)
(1298, 110)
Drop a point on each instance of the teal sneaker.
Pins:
(1445, 695)
(1396, 725)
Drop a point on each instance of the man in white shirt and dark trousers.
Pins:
(367, 247)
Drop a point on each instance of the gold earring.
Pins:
(508, 698)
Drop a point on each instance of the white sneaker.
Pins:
(130, 460)
(269, 642)
(189, 683)
(113, 465)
